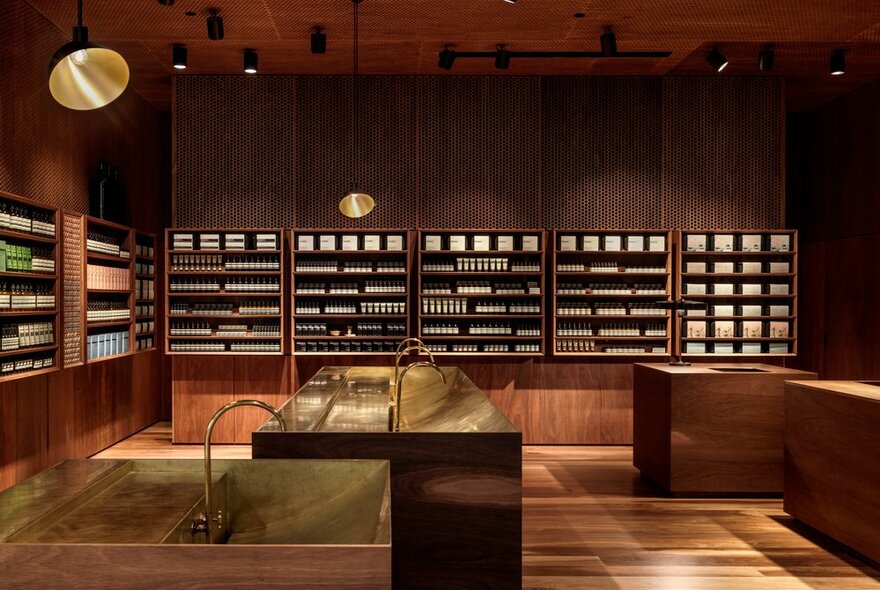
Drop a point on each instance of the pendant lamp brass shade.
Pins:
(356, 203)
(85, 76)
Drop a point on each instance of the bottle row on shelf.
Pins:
(608, 267)
(225, 262)
(107, 311)
(364, 329)
(145, 342)
(492, 347)
(245, 346)
(332, 266)
(350, 288)
(27, 335)
(608, 308)
(26, 296)
(145, 250)
(243, 308)
(145, 327)
(216, 285)
(203, 328)
(343, 346)
(483, 287)
(610, 289)
(482, 329)
(17, 258)
(103, 243)
(44, 360)
(145, 268)
(616, 330)
(460, 306)
(107, 278)
(594, 346)
(343, 307)
(480, 265)
(145, 289)
(19, 217)
(145, 310)
(107, 344)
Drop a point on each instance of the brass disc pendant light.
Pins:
(83, 75)
(356, 203)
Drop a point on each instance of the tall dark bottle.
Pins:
(99, 189)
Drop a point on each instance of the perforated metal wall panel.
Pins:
(383, 162)
(601, 152)
(723, 147)
(235, 152)
(72, 227)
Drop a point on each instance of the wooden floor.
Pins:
(589, 521)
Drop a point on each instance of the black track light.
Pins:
(447, 58)
(717, 60)
(319, 40)
(838, 62)
(178, 57)
(502, 57)
(250, 61)
(766, 57)
(215, 26)
(608, 42)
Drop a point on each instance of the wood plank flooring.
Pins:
(590, 522)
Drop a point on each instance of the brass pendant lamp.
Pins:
(356, 203)
(83, 75)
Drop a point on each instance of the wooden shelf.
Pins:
(173, 252)
(341, 273)
(29, 350)
(109, 258)
(504, 316)
(215, 337)
(492, 295)
(255, 273)
(342, 353)
(737, 296)
(28, 275)
(349, 316)
(487, 337)
(17, 313)
(612, 318)
(345, 295)
(117, 291)
(115, 323)
(223, 294)
(634, 339)
(750, 253)
(22, 374)
(614, 354)
(355, 252)
(481, 353)
(222, 353)
(751, 275)
(656, 296)
(27, 237)
(737, 339)
(173, 316)
(484, 252)
(482, 273)
(613, 252)
(110, 357)
(344, 338)
(587, 273)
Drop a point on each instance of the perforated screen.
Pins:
(73, 289)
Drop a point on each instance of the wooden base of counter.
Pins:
(832, 460)
(698, 430)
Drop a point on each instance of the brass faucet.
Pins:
(394, 414)
(403, 349)
(202, 523)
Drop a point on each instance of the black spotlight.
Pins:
(838, 62)
(608, 41)
(215, 26)
(447, 58)
(178, 57)
(717, 60)
(765, 58)
(319, 41)
(502, 57)
(250, 61)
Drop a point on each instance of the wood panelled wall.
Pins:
(48, 153)
(476, 152)
(834, 180)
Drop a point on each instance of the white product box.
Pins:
(695, 288)
(779, 348)
(779, 289)
(752, 288)
(234, 241)
(779, 267)
(750, 243)
(724, 329)
(722, 267)
(695, 312)
(457, 242)
(778, 310)
(372, 242)
(780, 243)
(349, 242)
(305, 242)
(722, 243)
(723, 348)
(209, 242)
(328, 242)
(568, 243)
(657, 243)
(723, 289)
(750, 310)
(613, 243)
(482, 243)
(696, 329)
(695, 347)
(530, 243)
(695, 242)
(267, 242)
(505, 243)
(779, 329)
(695, 267)
(752, 329)
(722, 310)
(751, 267)
(433, 242)
(590, 243)
(394, 243)
(751, 348)
(635, 243)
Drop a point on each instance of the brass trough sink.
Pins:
(128, 524)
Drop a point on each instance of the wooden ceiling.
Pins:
(405, 36)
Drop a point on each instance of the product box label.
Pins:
(657, 243)
(433, 243)
(328, 242)
(457, 243)
(695, 242)
(568, 243)
(305, 242)
(349, 242)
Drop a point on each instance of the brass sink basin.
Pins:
(308, 513)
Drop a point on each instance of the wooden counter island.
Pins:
(711, 428)
(832, 460)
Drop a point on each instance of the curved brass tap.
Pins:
(202, 524)
(403, 349)
(394, 415)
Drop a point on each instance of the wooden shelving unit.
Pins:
(109, 281)
(605, 285)
(750, 311)
(145, 312)
(28, 228)
(195, 318)
(348, 299)
(481, 292)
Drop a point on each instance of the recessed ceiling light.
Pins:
(447, 59)
(179, 57)
(502, 57)
(717, 60)
(319, 40)
(250, 61)
(766, 57)
(215, 26)
(838, 62)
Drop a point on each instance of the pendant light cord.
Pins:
(355, 95)
(79, 13)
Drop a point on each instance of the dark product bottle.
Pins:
(107, 195)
